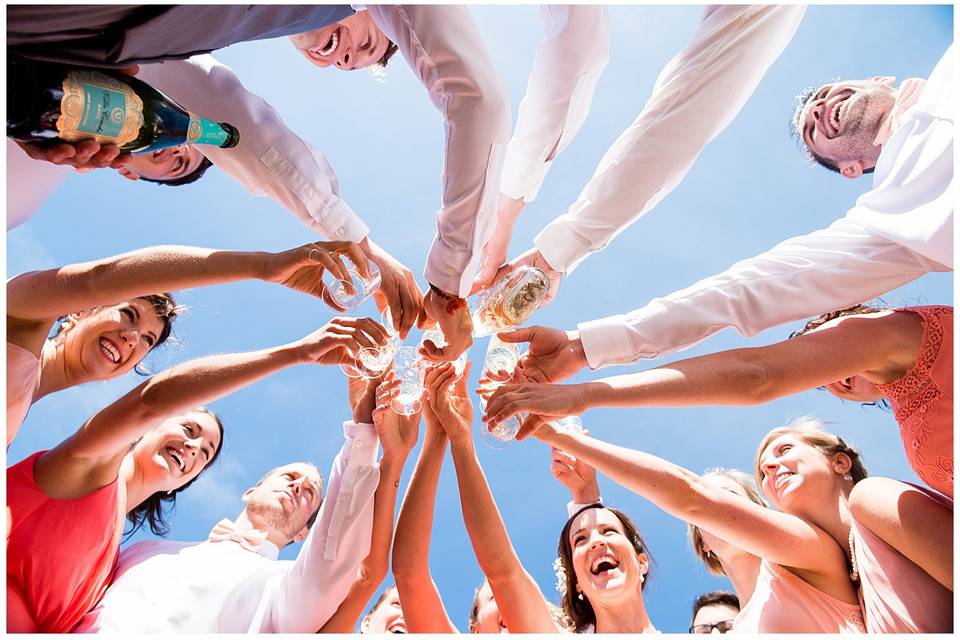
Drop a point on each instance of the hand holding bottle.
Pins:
(531, 258)
(496, 248)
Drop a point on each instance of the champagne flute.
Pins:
(410, 369)
(501, 356)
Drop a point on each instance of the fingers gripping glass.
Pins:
(440, 341)
(352, 296)
(373, 362)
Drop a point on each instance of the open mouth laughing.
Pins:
(177, 458)
(110, 350)
(782, 479)
(604, 565)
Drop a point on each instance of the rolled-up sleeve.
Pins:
(444, 49)
(271, 159)
(566, 68)
(829, 269)
(318, 581)
(695, 97)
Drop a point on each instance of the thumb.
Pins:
(523, 334)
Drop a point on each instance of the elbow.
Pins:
(371, 574)
(757, 383)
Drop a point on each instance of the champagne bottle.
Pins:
(48, 101)
(510, 301)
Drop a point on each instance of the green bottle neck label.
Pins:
(203, 131)
(98, 107)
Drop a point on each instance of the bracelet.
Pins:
(454, 303)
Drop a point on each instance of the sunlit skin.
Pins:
(609, 571)
(106, 342)
(714, 614)
(840, 122)
(387, 617)
(352, 43)
(164, 164)
(797, 478)
(283, 502)
(855, 388)
(177, 450)
(710, 541)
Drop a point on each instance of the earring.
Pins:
(847, 476)
(580, 595)
(170, 493)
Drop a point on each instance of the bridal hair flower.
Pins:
(561, 584)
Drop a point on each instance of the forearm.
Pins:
(671, 487)
(177, 390)
(488, 534)
(46, 294)
(411, 546)
(374, 567)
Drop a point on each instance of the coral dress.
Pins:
(61, 554)
(23, 377)
(922, 401)
(897, 595)
(782, 602)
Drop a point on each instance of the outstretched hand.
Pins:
(530, 258)
(579, 477)
(301, 269)
(338, 341)
(553, 355)
(544, 400)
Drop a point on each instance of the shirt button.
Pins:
(340, 232)
(359, 444)
(451, 272)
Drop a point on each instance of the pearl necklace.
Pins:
(854, 573)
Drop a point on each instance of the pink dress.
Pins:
(922, 401)
(23, 377)
(61, 554)
(784, 603)
(897, 595)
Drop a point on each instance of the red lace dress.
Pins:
(922, 401)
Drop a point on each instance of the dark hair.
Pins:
(822, 319)
(580, 611)
(795, 127)
(154, 510)
(193, 176)
(714, 597)
(385, 58)
(167, 310)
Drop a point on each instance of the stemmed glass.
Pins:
(372, 362)
(501, 356)
(409, 369)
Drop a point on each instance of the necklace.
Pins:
(854, 573)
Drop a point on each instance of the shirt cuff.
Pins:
(366, 444)
(573, 507)
(442, 270)
(561, 251)
(523, 175)
(606, 341)
(343, 223)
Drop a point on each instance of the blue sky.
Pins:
(749, 190)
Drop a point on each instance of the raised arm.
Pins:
(777, 537)
(871, 344)
(397, 436)
(411, 546)
(519, 599)
(91, 457)
(42, 296)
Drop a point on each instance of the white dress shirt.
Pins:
(696, 96)
(271, 159)
(444, 49)
(29, 183)
(566, 67)
(895, 233)
(166, 586)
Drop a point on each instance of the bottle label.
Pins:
(97, 107)
(203, 131)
